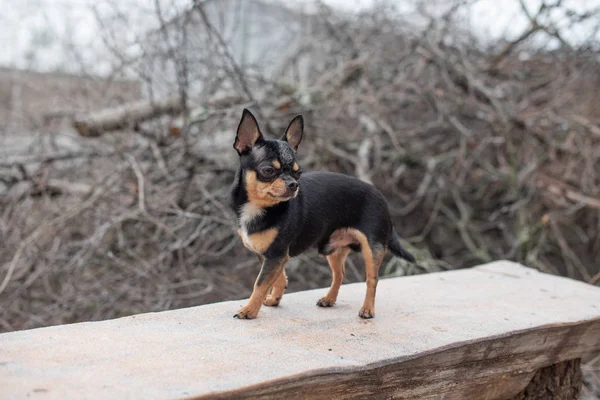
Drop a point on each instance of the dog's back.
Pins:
(329, 202)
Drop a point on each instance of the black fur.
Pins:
(326, 202)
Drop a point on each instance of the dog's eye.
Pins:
(267, 172)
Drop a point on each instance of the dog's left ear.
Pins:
(293, 133)
(248, 133)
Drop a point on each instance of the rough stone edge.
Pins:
(562, 381)
(253, 391)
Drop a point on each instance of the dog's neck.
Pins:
(245, 211)
(250, 213)
(238, 195)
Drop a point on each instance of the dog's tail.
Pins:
(397, 249)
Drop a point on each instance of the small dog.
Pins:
(283, 213)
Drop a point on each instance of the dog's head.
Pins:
(270, 169)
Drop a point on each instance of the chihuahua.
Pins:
(283, 212)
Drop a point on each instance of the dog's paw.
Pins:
(272, 301)
(325, 302)
(246, 313)
(366, 313)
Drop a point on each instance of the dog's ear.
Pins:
(248, 133)
(293, 133)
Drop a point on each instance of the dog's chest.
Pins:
(249, 213)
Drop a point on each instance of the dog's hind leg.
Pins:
(373, 256)
(336, 262)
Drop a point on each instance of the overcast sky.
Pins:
(51, 26)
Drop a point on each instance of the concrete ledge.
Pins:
(480, 332)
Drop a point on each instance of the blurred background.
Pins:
(479, 120)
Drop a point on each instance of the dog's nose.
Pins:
(292, 185)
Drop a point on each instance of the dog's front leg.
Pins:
(271, 269)
(279, 287)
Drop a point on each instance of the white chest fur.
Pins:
(248, 214)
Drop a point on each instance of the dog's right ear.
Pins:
(248, 133)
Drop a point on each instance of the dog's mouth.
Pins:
(287, 195)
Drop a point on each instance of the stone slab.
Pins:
(204, 351)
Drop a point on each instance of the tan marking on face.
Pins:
(296, 167)
(264, 194)
(259, 242)
(276, 164)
